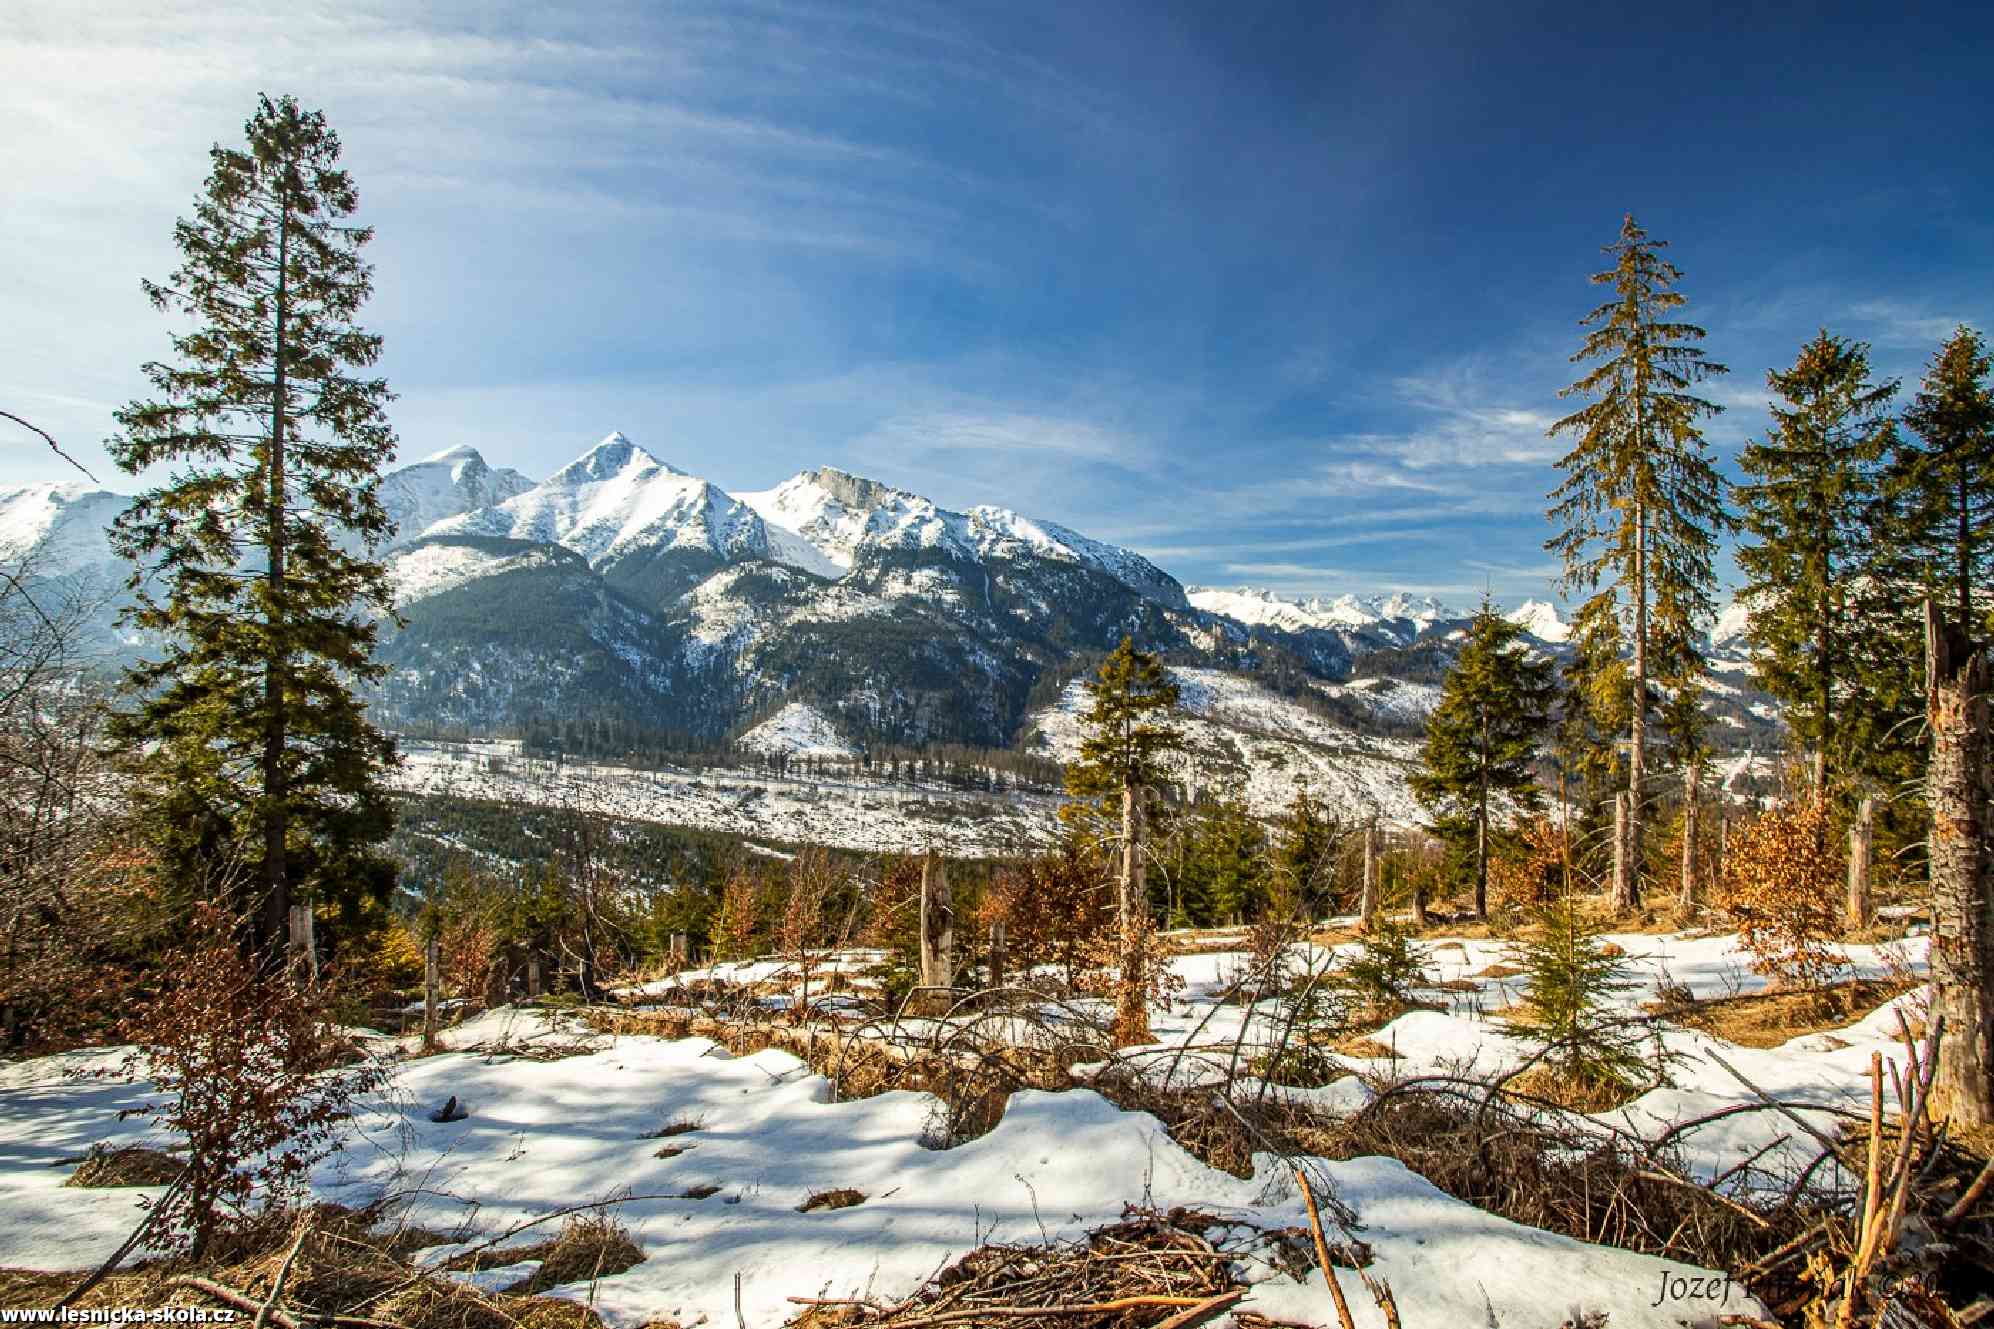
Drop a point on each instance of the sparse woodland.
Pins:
(205, 864)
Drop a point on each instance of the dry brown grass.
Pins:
(1768, 1019)
(586, 1249)
(1500, 971)
(1552, 1084)
(343, 1267)
(844, 1197)
(132, 1165)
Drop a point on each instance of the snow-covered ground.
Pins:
(766, 1132)
(843, 812)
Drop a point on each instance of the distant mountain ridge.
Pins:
(622, 597)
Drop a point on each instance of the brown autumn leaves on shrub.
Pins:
(1782, 875)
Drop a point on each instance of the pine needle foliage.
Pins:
(1481, 741)
(1127, 735)
(1944, 483)
(1805, 511)
(253, 568)
(1571, 980)
(1387, 967)
(1641, 505)
(1127, 732)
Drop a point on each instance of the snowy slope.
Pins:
(66, 523)
(436, 566)
(444, 485)
(836, 517)
(1241, 739)
(798, 730)
(617, 499)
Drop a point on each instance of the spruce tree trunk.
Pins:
(1686, 901)
(1131, 1008)
(1482, 829)
(1622, 896)
(1367, 901)
(1962, 951)
(1626, 874)
(276, 911)
(1861, 836)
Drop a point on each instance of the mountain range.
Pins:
(621, 600)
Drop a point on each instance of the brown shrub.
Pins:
(257, 1074)
(1782, 878)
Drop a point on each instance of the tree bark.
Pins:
(1686, 901)
(1626, 874)
(1861, 913)
(1962, 951)
(1623, 876)
(432, 980)
(1482, 828)
(997, 956)
(937, 925)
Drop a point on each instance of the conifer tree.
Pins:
(1641, 504)
(1944, 483)
(1805, 513)
(1481, 740)
(1128, 733)
(1305, 849)
(254, 575)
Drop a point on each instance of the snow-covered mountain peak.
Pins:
(615, 500)
(1540, 619)
(441, 486)
(614, 456)
(1263, 608)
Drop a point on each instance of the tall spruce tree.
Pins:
(1641, 504)
(1481, 740)
(1943, 484)
(253, 572)
(1805, 512)
(1127, 733)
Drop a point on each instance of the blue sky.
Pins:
(1277, 294)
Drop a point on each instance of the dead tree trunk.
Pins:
(1861, 912)
(303, 940)
(533, 972)
(937, 925)
(432, 982)
(1367, 902)
(1962, 953)
(1623, 866)
(997, 956)
(1418, 889)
